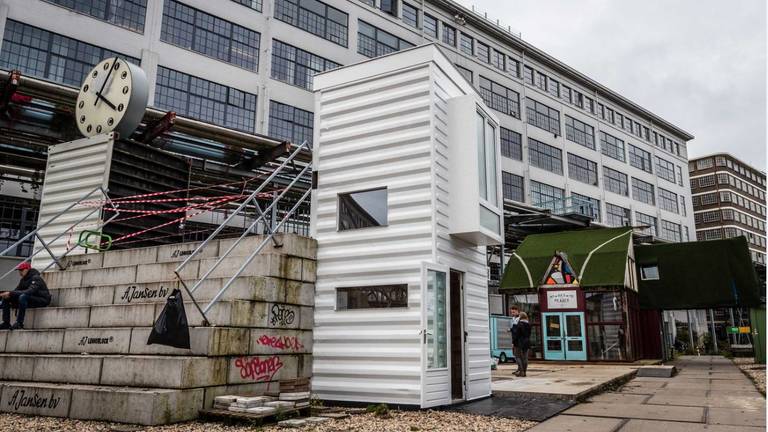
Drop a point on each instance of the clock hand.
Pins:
(106, 101)
(98, 94)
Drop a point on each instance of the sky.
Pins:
(699, 64)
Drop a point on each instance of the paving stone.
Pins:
(568, 423)
(262, 410)
(659, 412)
(736, 417)
(292, 423)
(672, 426)
(619, 398)
(656, 371)
(719, 401)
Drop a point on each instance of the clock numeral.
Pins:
(110, 121)
(98, 129)
(117, 65)
(86, 87)
(120, 107)
(89, 128)
(82, 119)
(106, 66)
(81, 104)
(125, 90)
(124, 75)
(95, 73)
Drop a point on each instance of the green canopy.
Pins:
(697, 275)
(606, 248)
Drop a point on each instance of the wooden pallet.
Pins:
(243, 416)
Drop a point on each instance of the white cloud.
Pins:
(699, 64)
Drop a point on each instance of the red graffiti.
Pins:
(281, 342)
(258, 369)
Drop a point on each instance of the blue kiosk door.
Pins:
(564, 337)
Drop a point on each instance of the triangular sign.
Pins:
(560, 272)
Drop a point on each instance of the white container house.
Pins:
(406, 196)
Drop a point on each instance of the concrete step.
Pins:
(169, 372)
(204, 341)
(272, 265)
(256, 288)
(234, 313)
(291, 245)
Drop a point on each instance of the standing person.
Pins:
(32, 292)
(514, 312)
(523, 343)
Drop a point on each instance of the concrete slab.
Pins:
(82, 296)
(97, 341)
(656, 371)
(624, 398)
(567, 382)
(109, 276)
(536, 408)
(204, 341)
(567, 423)
(66, 369)
(118, 258)
(650, 412)
(60, 317)
(36, 399)
(736, 417)
(164, 371)
(718, 401)
(670, 426)
(134, 315)
(34, 341)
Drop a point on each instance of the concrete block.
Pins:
(316, 420)
(292, 423)
(266, 368)
(276, 341)
(179, 252)
(284, 316)
(97, 341)
(299, 293)
(262, 410)
(293, 268)
(82, 261)
(248, 314)
(304, 366)
(164, 372)
(63, 368)
(164, 272)
(294, 396)
(82, 296)
(309, 271)
(279, 404)
(141, 293)
(35, 399)
(238, 389)
(129, 257)
(136, 406)
(291, 244)
(60, 317)
(109, 276)
(656, 371)
(221, 313)
(307, 318)
(16, 368)
(262, 265)
(255, 288)
(203, 341)
(3, 338)
(35, 341)
(227, 399)
(63, 279)
(135, 315)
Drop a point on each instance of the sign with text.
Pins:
(562, 299)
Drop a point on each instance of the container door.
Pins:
(575, 341)
(553, 336)
(436, 372)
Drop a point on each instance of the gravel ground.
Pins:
(405, 421)
(755, 371)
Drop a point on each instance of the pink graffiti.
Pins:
(257, 368)
(281, 342)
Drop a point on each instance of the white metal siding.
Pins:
(458, 254)
(73, 170)
(372, 134)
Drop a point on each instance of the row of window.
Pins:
(128, 14)
(728, 197)
(728, 214)
(727, 179)
(548, 196)
(730, 232)
(374, 42)
(723, 161)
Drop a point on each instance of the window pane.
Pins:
(129, 14)
(362, 209)
(604, 307)
(372, 297)
(437, 327)
(606, 342)
(490, 152)
(481, 167)
(314, 17)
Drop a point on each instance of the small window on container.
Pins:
(372, 297)
(649, 272)
(362, 209)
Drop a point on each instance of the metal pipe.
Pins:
(714, 335)
(239, 208)
(254, 253)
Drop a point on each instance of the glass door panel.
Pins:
(575, 343)
(553, 337)
(437, 330)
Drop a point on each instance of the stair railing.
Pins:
(261, 217)
(46, 245)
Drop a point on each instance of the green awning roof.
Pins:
(694, 275)
(606, 266)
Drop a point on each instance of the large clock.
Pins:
(113, 97)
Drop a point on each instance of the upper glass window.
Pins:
(511, 144)
(315, 17)
(253, 4)
(362, 209)
(467, 44)
(207, 34)
(374, 42)
(296, 66)
(500, 98)
(290, 123)
(128, 14)
(640, 158)
(486, 159)
(410, 15)
(542, 116)
(612, 146)
(430, 25)
(579, 132)
(40, 53)
(449, 35)
(372, 297)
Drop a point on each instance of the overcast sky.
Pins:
(700, 64)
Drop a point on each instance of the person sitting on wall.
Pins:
(32, 292)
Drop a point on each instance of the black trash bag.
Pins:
(171, 327)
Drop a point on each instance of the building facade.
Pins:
(248, 65)
(729, 201)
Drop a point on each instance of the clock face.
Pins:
(113, 97)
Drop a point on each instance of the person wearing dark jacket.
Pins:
(523, 342)
(30, 293)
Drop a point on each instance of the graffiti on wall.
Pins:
(21, 399)
(281, 315)
(291, 343)
(135, 293)
(258, 369)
